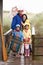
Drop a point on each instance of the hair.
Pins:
(22, 17)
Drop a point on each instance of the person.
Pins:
(27, 39)
(18, 33)
(20, 12)
(16, 19)
(17, 39)
(25, 19)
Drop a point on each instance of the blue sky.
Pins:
(34, 6)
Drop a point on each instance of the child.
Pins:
(18, 34)
(17, 38)
(27, 39)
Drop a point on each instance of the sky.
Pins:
(34, 6)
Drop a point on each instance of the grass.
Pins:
(6, 28)
(6, 22)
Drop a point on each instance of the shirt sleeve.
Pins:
(19, 20)
(13, 23)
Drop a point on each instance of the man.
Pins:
(16, 18)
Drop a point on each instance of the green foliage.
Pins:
(6, 21)
(5, 28)
(37, 21)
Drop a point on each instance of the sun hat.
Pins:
(17, 25)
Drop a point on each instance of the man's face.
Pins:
(20, 12)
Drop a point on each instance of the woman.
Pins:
(25, 19)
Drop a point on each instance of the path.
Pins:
(12, 60)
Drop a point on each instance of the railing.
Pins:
(37, 43)
(7, 38)
(37, 46)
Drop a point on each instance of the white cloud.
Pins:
(34, 6)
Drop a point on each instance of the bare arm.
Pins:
(22, 23)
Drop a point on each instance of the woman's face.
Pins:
(24, 17)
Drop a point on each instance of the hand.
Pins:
(22, 23)
(28, 39)
(24, 40)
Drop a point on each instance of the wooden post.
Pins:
(33, 47)
(33, 38)
(4, 51)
